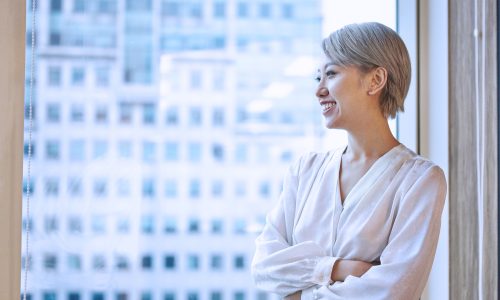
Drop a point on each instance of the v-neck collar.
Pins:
(370, 176)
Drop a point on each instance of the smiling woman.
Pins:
(361, 221)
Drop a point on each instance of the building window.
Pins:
(125, 112)
(55, 6)
(265, 189)
(170, 9)
(74, 296)
(75, 186)
(216, 262)
(123, 225)
(147, 262)
(77, 150)
(50, 262)
(147, 224)
(193, 262)
(241, 153)
(171, 151)
(170, 225)
(195, 11)
(193, 296)
(74, 262)
(99, 262)
(138, 6)
(149, 114)
(195, 80)
(48, 296)
(121, 263)
(97, 296)
(102, 76)
(79, 6)
(123, 186)
(125, 149)
(100, 188)
(195, 117)
(194, 189)
(53, 113)
(242, 10)
(51, 224)
(219, 10)
(262, 296)
(194, 226)
(54, 74)
(75, 225)
(26, 149)
(101, 114)
(239, 295)
(265, 10)
(218, 117)
(287, 10)
(98, 224)
(240, 226)
(32, 186)
(172, 117)
(217, 188)
(78, 76)
(194, 152)
(239, 262)
(169, 262)
(100, 149)
(146, 296)
(55, 38)
(218, 152)
(148, 152)
(217, 226)
(52, 150)
(169, 296)
(77, 113)
(52, 187)
(170, 189)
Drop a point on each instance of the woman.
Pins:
(360, 222)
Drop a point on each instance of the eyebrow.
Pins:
(327, 65)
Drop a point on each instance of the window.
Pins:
(195, 11)
(74, 262)
(218, 152)
(195, 118)
(216, 262)
(194, 189)
(49, 295)
(26, 149)
(194, 152)
(99, 262)
(242, 10)
(193, 262)
(170, 225)
(169, 296)
(149, 152)
(100, 187)
(77, 150)
(52, 150)
(147, 262)
(194, 226)
(171, 188)
(240, 226)
(241, 153)
(218, 117)
(149, 114)
(219, 10)
(125, 149)
(53, 113)
(101, 114)
(50, 262)
(217, 226)
(125, 112)
(138, 6)
(287, 10)
(239, 295)
(121, 263)
(102, 76)
(52, 187)
(75, 188)
(122, 295)
(123, 225)
(77, 113)
(170, 9)
(74, 296)
(264, 10)
(171, 151)
(146, 296)
(123, 186)
(98, 224)
(97, 296)
(78, 6)
(51, 224)
(217, 188)
(54, 74)
(193, 295)
(100, 150)
(75, 225)
(169, 262)
(78, 76)
(239, 262)
(55, 6)
(147, 224)
(172, 116)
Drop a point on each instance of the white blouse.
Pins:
(392, 215)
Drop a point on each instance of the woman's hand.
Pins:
(345, 267)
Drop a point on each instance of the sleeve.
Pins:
(406, 261)
(278, 266)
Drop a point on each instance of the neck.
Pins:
(370, 140)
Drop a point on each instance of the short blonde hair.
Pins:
(371, 45)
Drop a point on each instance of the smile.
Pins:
(327, 106)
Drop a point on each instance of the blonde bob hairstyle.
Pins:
(368, 46)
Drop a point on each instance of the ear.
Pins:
(377, 78)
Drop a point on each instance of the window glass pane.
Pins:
(164, 133)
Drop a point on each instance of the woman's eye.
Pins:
(330, 73)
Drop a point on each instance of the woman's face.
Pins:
(341, 93)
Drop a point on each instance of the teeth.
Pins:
(326, 106)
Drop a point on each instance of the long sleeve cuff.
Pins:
(323, 270)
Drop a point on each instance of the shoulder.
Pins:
(418, 170)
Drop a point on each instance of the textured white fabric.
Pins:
(392, 215)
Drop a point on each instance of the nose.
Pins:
(322, 91)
